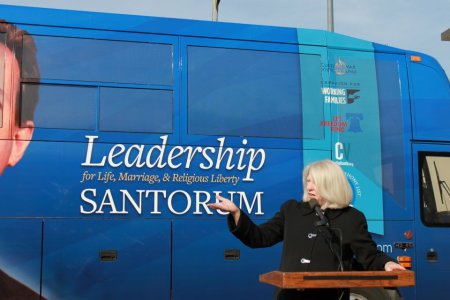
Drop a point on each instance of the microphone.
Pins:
(313, 204)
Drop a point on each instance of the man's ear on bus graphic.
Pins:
(21, 138)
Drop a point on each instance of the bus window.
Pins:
(434, 168)
(81, 59)
(62, 106)
(250, 93)
(136, 110)
(430, 89)
(393, 125)
(101, 84)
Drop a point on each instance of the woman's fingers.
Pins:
(226, 205)
(222, 199)
(215, 206)
(222, 203)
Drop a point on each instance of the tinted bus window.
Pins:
(81, 59)
(391, 126)
(431, 108)
(136, 110)
(435, 188)
(62, 106)
(251, 93)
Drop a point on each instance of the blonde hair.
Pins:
(331, 184)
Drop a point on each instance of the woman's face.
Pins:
(312, 192)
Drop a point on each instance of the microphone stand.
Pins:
(333, 240)
(330, 237)
(323, 227)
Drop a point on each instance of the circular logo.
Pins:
(340, 68)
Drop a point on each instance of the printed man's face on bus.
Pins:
(13, 140)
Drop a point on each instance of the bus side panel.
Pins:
(430, 112)
(210, 263)
(106, 259)
(394, 234)
(204, 251)
(48, 175)
(20, 256)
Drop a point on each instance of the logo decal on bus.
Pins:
(340, 68)
(354, 120)
(340, 95)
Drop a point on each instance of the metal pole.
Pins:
(215, 12)
(330, 16)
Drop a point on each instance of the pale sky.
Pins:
(407, 24)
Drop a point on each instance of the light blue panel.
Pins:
(311, 37)
(311, 156)
(376, 226)
(355, 127)
(335, 40)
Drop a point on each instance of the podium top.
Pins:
(350, 279)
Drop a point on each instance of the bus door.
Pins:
(432, 176)
(431, 154)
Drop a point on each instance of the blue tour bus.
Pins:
(142, 121)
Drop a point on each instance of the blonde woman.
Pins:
(321, 233)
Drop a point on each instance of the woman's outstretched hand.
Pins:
(393, 266)
(226, 205)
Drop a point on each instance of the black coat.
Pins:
(305, 247)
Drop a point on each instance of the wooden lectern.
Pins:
(349, 279)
